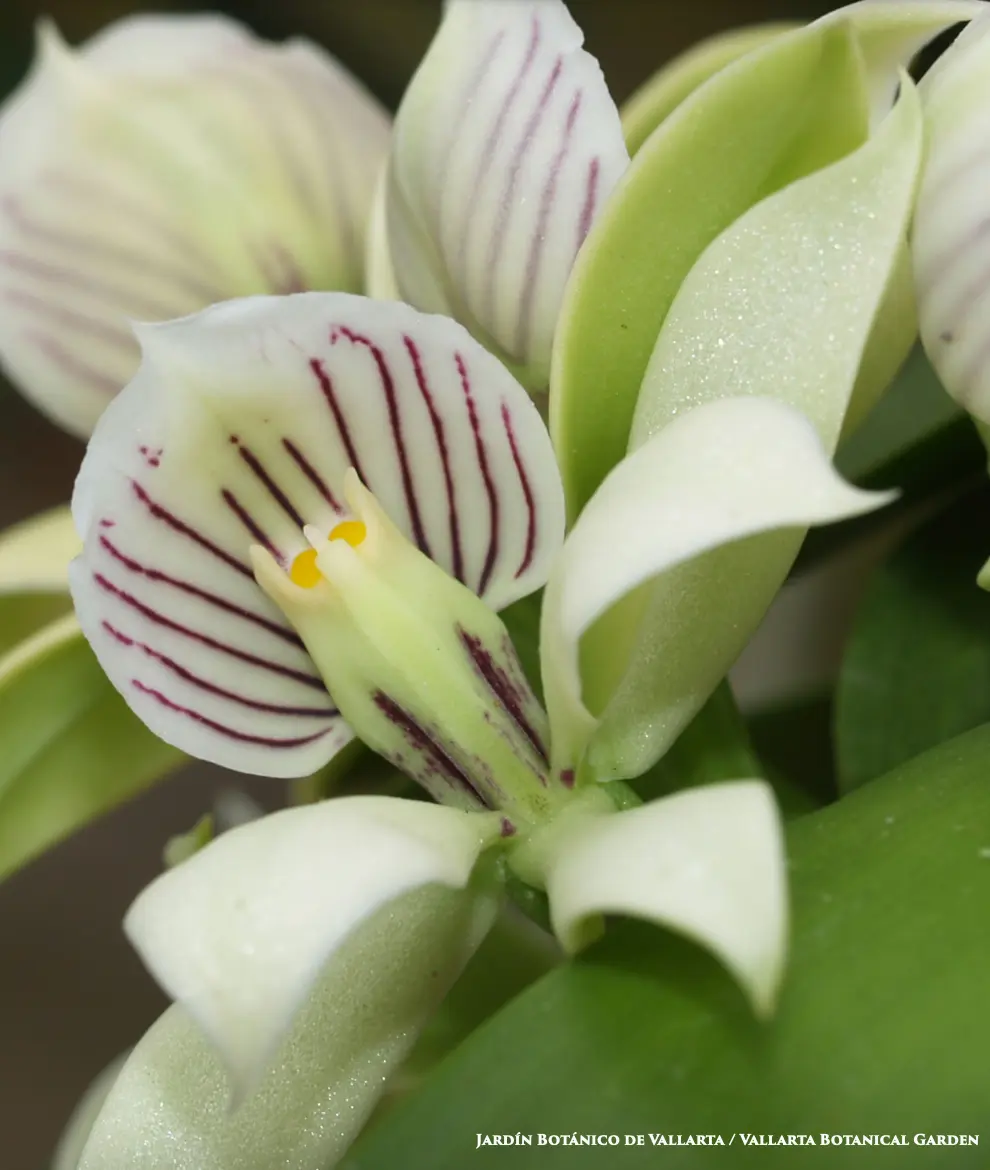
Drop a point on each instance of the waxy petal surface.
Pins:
(170, 1105)
(239, 933)
(761, 313)
(506, 145)
(170, 163)
(716, 474)
(708, 863)
(951, 244)
(237, 431)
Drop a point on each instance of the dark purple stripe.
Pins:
(249, 522)
(395, 422)
(506, 691)
(424, 743)
(221, 728)
(211, 688)
(506, 204)
(282, 632)
(527, 492)
(180, 526)
(270, 485)
(310, 473)
(159, 619)
(495, 133)
(479, 445)
(590, 199)
(326, 385)
(441, 437)
(533, 261)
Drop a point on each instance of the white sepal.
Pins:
(708, 863)
(240, 932)
(169, 163)
(506, 145)
(951, 243)
(35, 554)
(170, 1106)
(237, 432)
(891, 33)
(716, 474)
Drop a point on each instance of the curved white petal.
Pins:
(237, 431)
(170, 163)
(35, 554)
(708, 862)
(506, 145)
(721, 472)
(951, 240)
(80, 1124)
(239, 933)
(380, 281)
(170, 1106)
(892, 32)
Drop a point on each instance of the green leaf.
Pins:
(917, 667)
(658, 97)
(882, 1026)
(759, 315)
(780, 113)
(70, 749)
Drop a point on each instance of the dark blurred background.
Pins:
(72, 995)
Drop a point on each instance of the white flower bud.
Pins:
(169, 163)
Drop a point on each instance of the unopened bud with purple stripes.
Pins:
(421, 669)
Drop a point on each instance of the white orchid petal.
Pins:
(506, 145)
(237, 431)
(239, 933)
(35, 554)
(951, 243)
(726, 470)
(80, 1124)
(708, 863)
(891, 34)
(170, 1106)
(170, 163)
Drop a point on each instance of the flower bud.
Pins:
(421, 669)
(170, 163)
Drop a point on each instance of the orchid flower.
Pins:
(949, 242)
(507, 148)
(299, 521)
(169, 163)
(950, 245)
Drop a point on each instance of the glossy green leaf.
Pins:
(917, 667)
(69, 747)
(758, 315)
(882, 1026)
(658, 97)
(782, 112)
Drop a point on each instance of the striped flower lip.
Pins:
(506, 146)
(397, 449)
(231, 449)
(169, 163)
(236, 434)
